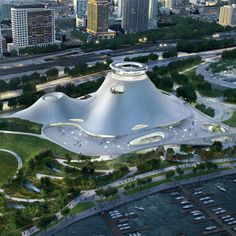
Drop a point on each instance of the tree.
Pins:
(1, 105)
(179, 171)
(170, 174)
(170, 153)
(29, 87)
(170, 54)
(14, 83)
(12, 102)
(3, 86)
(65, 211)
(68, 158)
(52, 74)
(44, 221)
(216, 146)
(187, 92)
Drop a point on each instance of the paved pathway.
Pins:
(19, 161)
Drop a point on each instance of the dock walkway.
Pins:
(208, 212)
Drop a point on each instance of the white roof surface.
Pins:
(124, 101)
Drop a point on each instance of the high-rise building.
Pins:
(80, 9)
(5, 10)
(135, 15)
(118, 4)
(152, 14)
(1, 46)
(97, 19)
(169, 4)
(228, 15)
(32, 25)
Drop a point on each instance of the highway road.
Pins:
(60, 62)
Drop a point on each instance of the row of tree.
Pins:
(32, 79)
(183, 28)
(203, 45)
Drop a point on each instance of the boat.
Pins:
(232, 222)
(179, 198)
(229, 219)
(174, 193)
(200, 218)
(184, 202)
(188, 206)
(221, 188)
(210, 227)
(208, 202)
(139, 208)
(130, 214)
(195, 211)
(225, 217)
(122, 225)
(217, 209)
(234, 180)
(198, 193)
(197, 214)
(204, 198)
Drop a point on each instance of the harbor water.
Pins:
(163, 217)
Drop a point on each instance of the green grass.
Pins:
(231, 121)
(179, 177)
(27, 146)
(15, 124)
(8, 167)
(200, 173)
(83, 206)
(108, 199)
(146, 186)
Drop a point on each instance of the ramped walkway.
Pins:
(109, 205)
(19, 161)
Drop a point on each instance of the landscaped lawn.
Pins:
(231, 121)
(83, 206)
(19, 125)
(8, 167)
(28, 146)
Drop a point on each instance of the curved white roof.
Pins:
(127, 100)
(51, 108)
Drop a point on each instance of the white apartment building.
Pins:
(32, 25)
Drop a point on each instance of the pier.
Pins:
(113, 227)
(112, 224)
(205, 209)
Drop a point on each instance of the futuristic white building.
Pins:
(126, 101)
(127, 113)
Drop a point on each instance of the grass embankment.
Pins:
(8, 167)
(231, 121)
(108, 199)
(27, 146)
(179, 177)
(18, 125)
(83, 206)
